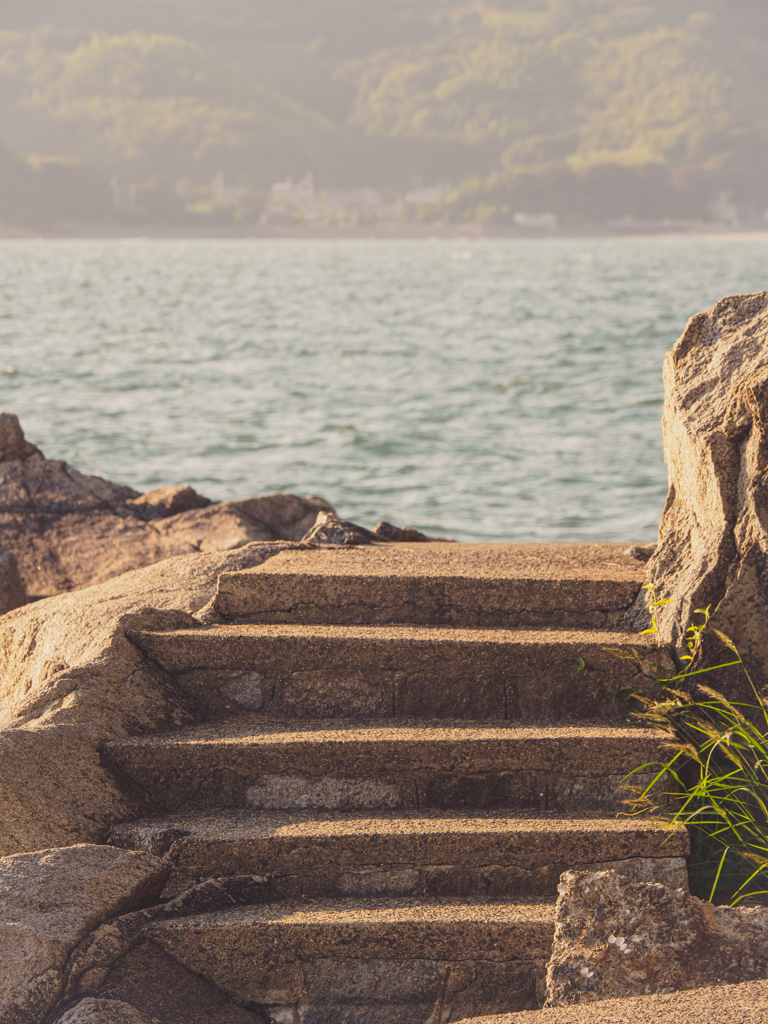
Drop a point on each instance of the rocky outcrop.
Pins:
(68, 531)
(713, 537)
(70, 679)
(12, 593)
(330, 529)
(51, 900)
(616, 937)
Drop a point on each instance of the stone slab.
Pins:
(411, 671)
(370, 961)
(386, 766)
(416, 853)
(449, 584)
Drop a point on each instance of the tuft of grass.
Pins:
(717, 772)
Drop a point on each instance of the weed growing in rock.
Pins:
(718, 771)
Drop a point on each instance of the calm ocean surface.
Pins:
(489, 390)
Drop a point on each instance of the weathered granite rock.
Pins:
(713, 538)
(399, 534)
(12, 593)
(160, 991)
(12, 442)
(167, 501)
(330, 529)
(69, 531)
(616, 937)
(71, 679)
(50, 901)
(103, 1011)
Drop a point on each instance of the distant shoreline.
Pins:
(468, 231)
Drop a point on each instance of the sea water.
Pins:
(484, 390)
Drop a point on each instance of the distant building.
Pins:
(428, 195)
(542, 221)
(225, 195)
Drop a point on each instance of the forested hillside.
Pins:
(590, 109)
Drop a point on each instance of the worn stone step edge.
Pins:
(402, 929)
(474, 582)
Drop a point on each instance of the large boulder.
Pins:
(713, 537)
(51, 900)
(616, 937)
(68, 531)
(70, 678)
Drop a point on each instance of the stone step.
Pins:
(403, 671)
(422, 854)
(469, 585)
(370, 961)
(391, 766)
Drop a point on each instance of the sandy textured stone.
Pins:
(70, 679)
(69, 531)
(362, 671)
(616, 937)
(404, 766)
(472, 585)
(50, 901)
(372, 961)
(441, 853)
(720, 1004)
(103, 1011)
(713, 537)
(164, 992)
(12, 593)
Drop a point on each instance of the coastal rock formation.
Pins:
(68, 531)
(12, 593)
(713, 537)
(70, 679)
(616, 937)
(51, 900)
(330, 529)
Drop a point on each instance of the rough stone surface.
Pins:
(472, 585)
(713, 537)
(330, 529)
(169, 994)
(103, 1011)
(746, 1003)
(51, 900)
(399, 534)
(616, 937)
(390, 766)
(12, 593)
(422, 854)
(321, 671)
(369, 961)
(70, 679)
(69, 531)
(157, 990)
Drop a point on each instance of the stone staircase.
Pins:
(398, 760)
